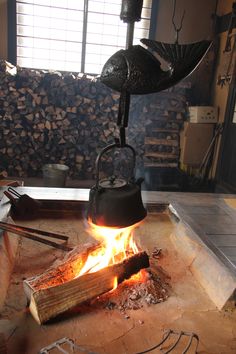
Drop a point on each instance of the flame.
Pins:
(115, 283)
(117, 245)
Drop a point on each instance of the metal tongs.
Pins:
(22, 204)
(33, 234)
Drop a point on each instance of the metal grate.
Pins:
(73, 35)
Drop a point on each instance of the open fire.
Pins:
(117, 245)
(87, 272)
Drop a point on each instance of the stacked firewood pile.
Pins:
(50, 117)
(162, 134)
(53, 118)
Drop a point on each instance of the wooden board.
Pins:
(61, 271)
(166, 155)
(155, 141)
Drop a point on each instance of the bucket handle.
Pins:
(110, 147)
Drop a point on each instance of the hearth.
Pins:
(90, 295)
(129, 319)
(94, 269)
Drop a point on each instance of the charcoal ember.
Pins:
(133, 295)
(110, 305)
(157, 253)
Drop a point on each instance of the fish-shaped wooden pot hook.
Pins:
(138, 71)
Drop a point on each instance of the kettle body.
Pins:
(116, 202)
(116, 206)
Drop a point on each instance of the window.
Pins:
(72, 35)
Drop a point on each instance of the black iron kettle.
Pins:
(116, 202)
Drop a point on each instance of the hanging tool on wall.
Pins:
(232, 25)
(226, 78)
(230, 49)
(177, 29)
(202, 177)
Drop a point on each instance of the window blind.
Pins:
(52, 34)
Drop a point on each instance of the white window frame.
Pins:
(86, 35)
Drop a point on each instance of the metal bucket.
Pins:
(54, 175)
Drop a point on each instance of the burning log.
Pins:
(51, 301)
(61, 271)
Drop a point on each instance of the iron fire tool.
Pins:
(36, 235)
(171, 342)
(22, 204)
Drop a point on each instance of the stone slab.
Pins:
(210, 263)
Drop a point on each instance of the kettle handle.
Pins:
(110, 147)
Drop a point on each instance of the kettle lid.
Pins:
(112, 182)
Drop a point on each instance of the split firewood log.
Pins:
(46, 303)
(62, 270)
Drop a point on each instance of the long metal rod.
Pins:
(124, 102)
(35, 231)
(129, 35)
(36, 238)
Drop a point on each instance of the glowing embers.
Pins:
(117, 244)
